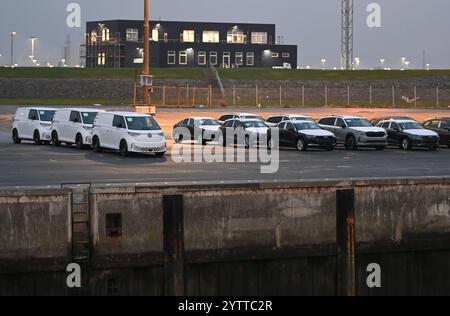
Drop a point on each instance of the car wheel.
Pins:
(178, 138)
(350, 143)
(247, 141)
(380, 148)
(37, 138)
(301, 145)
(434, 148)
(55, 139)
(96, 144)
(79, 141)
(406, 144)
(15, 137)
(123, 148)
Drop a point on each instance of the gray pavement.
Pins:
(27, 164)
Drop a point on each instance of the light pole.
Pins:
(357, 62)
(33, 40)
(403, 63)
(382, 61)
(146, 70)
(12, 34)
(324, 61)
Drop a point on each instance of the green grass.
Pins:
(235, 74)
(61, 101)
(271, 74)
(99, 73)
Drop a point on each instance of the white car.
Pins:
(73, 126)
(240, 116)
(274, 120)
(32, 124)
(128, 132)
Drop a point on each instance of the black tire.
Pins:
(329, 148)
(15, 137)
(96, 145)
(79, 141)
(37, 138)
(434, 148)
(123, 148)
(380, 148)
(350, 143)
(178, 138)
(301, 145)
(55, 139)
(247, 141)
(406, 144)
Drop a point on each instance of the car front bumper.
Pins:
(372, 141)
(149, 147)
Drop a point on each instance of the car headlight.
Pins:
(133, 134)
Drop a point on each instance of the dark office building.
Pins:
(119, 43)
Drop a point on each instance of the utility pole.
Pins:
(347, 34)
(146, 70)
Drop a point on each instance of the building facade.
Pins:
(119, 44)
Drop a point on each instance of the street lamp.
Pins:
(407, 63)
(382, 61)
(403, 63)
(324, 61)
(357, 62)
(428, 67)
(12, 34)
(33, 40)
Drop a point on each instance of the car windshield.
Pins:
(357, 122)
(46, 116)
(254, 124)
(306, 125)
(142, 123)
(410, 125)
(206, 122)
(88, 117)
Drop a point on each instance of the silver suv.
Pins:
(354, 132)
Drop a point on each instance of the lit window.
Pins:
(259, 38)
(236, 37)
(226, 60)
(213, 58)
(250, 59)
(101, 59)
(105, 34)
(155, 35)
(94, 37)
(202, 58)
(275, 55)
(171, 58)
(188, 36)
(166, 37)
(132, 35)
(183, 58)
(286, 55)
(239, 59)
(211, 37)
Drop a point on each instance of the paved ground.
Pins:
(26, 164)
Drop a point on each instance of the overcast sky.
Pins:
(409, 27)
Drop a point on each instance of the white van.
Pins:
(32, 124)
(73, 126)
(128, 132)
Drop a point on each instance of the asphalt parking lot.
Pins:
(27, 164)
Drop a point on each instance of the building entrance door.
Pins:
(226, 62)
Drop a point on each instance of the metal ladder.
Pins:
(81, 233)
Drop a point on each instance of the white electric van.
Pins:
(32, 123)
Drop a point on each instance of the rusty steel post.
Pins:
(146, 70)
(346, 242)
(173, 231)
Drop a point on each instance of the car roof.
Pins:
(246, 114)
(82, 109)
(37, 108)
(439, 118)
(343, 117)
(399, 121)
(289, 115)
(248, 120)
(133, 114)
(200, 118)
(296, 121)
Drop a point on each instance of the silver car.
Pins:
(354, 132)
